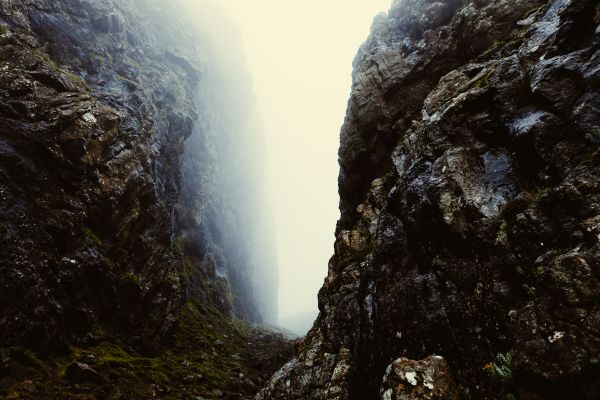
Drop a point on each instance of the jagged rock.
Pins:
(428, 379)
(469, 186)
(127, 142)
(113, 206)
(82, 373)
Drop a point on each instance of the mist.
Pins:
(296, 59)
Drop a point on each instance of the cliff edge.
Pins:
(467, 255)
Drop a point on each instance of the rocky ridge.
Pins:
(470, 210)
(127, 269)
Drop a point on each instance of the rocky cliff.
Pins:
(467, 255)
(129, 207)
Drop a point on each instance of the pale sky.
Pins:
(299, 54)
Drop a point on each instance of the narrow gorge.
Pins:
(138, 259)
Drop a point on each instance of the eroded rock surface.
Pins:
(428, 379)
(112, 208)
(470, 206)
(129, 208)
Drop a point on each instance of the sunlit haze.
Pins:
(299, 55)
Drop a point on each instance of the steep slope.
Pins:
(128, 266)
(470, 211)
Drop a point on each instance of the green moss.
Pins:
(187, 268)
(229, 294)
(503, 228)
(535, 195)
(355, 256)
(3, 29)
(505, 46)
(482, 82)
(180, 243)
(25, 357)
(200, 360)
(51, 64)
(132, 84)
(538, 272)
(90, 234)
(529, 289)
(112, 354)
(78, 80)
(132, 278)
(45, 58)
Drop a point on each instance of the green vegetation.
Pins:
(208, 351)
(503, 227)
(130, 83)
(481, 82)
(132, 278)
(500, 370)
(356, 256)
(538, 272)
(90, 234)
(529, 289)
(3, 29)
(51, 64)
(535, 195)
(180, 243)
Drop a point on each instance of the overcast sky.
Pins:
(299, 54)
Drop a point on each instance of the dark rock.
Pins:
(28, 386)
(82, 373)
(469, 200)
(113, 210)
(56, 81)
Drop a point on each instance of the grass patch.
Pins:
(52, 65)
(209, 351)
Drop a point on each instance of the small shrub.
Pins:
(529, 289)
(500, 369)
(538, 272)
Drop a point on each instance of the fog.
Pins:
(299, 59)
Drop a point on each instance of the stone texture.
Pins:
(428, 379)
(82, 373)
(469, 206)
(110, 214)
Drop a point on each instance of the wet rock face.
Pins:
(97, 102)
(88, 173)
(469, 197)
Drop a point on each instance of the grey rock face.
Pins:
(469, 197)
(98, 186)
